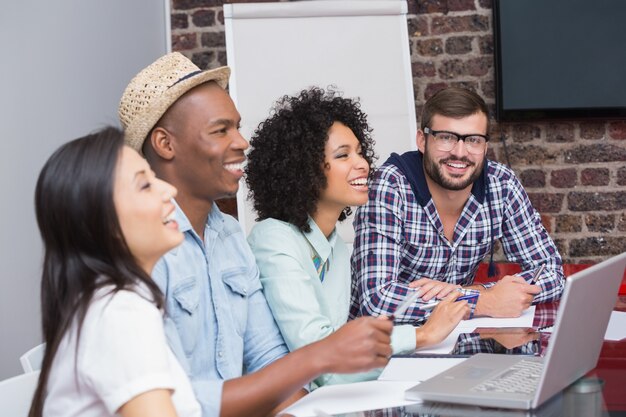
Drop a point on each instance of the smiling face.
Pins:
(144, 208)
(346, 171)
(456, 169)
(208, 148)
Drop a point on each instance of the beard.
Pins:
(434, 170)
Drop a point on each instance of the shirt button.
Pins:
(245, 291)
(220, 354)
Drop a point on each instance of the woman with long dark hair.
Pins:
(105, 220)
(311, 161)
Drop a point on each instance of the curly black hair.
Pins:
(285, 170)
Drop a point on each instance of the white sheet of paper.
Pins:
(348, 398)
(465, 326)
(416, 369)
(525, 320)
(617, 326)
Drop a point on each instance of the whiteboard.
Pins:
(65, 64)
(361, 47)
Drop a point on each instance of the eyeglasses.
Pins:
(446, 141)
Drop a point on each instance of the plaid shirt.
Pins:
(545, 315)
(399, 238)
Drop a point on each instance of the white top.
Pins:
(122, 353)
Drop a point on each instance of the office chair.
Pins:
(16, 394)
(31, 360)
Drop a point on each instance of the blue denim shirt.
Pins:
(218, 322)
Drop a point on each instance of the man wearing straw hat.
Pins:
(218, 322)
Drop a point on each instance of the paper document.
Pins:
(416, 369)
(525, 320)
(617, 326)
(348, 398)
(466, 326)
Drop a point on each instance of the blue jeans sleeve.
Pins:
(263, 342)
(209, 395)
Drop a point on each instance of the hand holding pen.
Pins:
(440, 323)
(449, 312)
(412, 298)
(509, 296)
(537, 274)
(435, 303)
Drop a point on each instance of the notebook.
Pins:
(588, 299)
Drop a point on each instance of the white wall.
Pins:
(63, 68)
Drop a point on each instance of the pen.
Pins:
(434, 303)
(404, 305)
(534, 280)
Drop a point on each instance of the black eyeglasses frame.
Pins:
(432, 132)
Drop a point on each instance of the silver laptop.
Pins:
(525, 382)
(552, 408)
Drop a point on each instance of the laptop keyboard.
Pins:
(521, 378)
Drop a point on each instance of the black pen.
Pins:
(534, 280)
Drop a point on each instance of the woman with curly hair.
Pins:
(310, 161)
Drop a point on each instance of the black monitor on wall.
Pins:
(560, 59)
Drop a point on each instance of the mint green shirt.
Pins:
(306, 307)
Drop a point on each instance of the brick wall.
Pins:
(574, 172)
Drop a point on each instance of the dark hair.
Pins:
(84, 246)
(453, 102)
(285, 170)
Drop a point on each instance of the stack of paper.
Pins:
(416, 369)
(348, 398)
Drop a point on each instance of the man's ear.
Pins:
(420, 140)
(161, 141)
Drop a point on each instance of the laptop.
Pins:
(582, 318)
(554, 407)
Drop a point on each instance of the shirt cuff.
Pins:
(527, 275)
(403, 338)
(472, 302)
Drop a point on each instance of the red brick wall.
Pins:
(574, 172)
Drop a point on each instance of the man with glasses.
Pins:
(434, 214)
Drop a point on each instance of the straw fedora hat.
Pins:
(148, 96)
